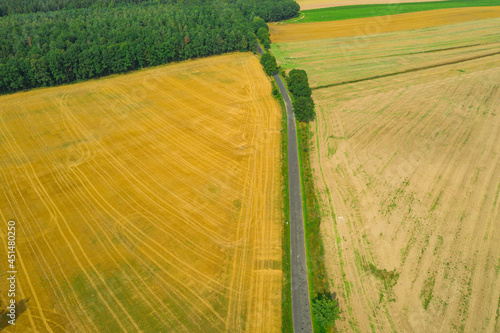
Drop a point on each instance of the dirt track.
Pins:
(147, 201)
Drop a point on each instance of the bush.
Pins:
(325, 309)
(298, 83)
(258, 23)
(275, 90)
(263, 36)
(283, 74)
(303, 108)
(303, 105)
(268, 61)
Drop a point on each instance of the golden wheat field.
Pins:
(282, 33)
(315, 4)
(146, 202)
(407, 168)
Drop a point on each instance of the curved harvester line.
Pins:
(42, 190)
(136, 201)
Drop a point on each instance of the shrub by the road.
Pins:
(298, 83)
(261, 30)
(303, 108)
(268, 61)
(263, 36)
(326, 310)
(303, 104)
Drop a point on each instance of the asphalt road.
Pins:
(301, 310)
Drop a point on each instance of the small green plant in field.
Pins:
(387, 278)
(275, 91)
(427, 290)
(439, 243)
(437, 201)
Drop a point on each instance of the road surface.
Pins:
(301, 310)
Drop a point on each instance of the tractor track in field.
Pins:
(404, 72)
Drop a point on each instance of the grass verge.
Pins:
(360, 11)
(318, 280)
(286, 289)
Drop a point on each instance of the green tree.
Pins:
(268, 61)
(262, 34)
(298, 83)
(325, 310)
(303, 108)
(258, 23)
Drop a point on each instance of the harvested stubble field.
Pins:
(282, 33)
(148, 201)
(357, 9)
(407, 168)
(315, 4)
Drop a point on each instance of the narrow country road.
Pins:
(301, 310)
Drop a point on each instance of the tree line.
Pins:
(303, 104)
(269, 10)
(261, 30)
(9, 7)
(298, 86)
(42, 49)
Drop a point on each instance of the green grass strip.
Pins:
(318, 280)
(286, 285)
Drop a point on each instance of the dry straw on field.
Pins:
(147, 201)
(408, 174)
(281, 33)
(315, 4)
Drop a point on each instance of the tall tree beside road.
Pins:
(303, 104)
(268, 61)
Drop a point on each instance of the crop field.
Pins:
(282, 33)
(407, 168)
(146, 202)
(316, 4)
(320, 11)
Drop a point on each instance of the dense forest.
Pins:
(45, 48)
(9, 7)
(269, 10)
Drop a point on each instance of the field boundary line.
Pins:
(404, 72)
